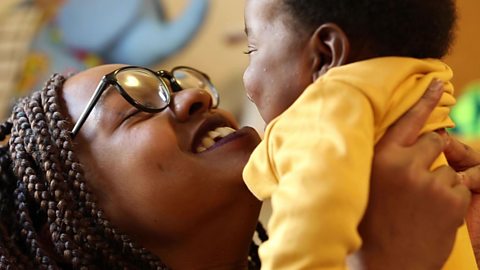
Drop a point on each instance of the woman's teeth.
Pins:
(213, 136)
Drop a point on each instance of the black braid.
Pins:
(262, 233)
(254, 262)
(20, 144)
(42, 190)
(10, 253)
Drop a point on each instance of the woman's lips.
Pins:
(211, 130)
(236, 135)
(213, 137)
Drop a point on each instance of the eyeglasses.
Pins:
(148, 90)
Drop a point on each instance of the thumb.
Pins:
(460, 156)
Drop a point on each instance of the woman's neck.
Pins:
(208, 248)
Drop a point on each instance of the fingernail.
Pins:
(445, 136)
(437, 85)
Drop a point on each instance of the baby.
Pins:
(329, 77)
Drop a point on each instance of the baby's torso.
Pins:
(325, 114)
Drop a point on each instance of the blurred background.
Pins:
(39, 37)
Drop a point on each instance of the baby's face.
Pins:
(280, 65)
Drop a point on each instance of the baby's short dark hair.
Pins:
(412, 28)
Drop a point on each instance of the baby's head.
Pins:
(293, 42)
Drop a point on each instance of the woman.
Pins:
(158, 183)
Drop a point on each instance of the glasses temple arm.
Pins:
(91, 103)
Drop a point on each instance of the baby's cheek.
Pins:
(251, 83)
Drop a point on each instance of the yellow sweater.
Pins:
(314, 162)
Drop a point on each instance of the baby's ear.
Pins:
(331, 48)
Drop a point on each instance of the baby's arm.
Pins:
(322, 157)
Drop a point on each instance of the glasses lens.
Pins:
(144, 87)
(189, 78)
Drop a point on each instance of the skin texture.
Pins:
(136, 166)
(273, 69)
(274, 79)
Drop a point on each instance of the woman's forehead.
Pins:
(78, 89)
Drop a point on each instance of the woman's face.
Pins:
(147, 175)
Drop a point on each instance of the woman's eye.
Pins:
(131, 114)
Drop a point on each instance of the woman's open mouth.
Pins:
(213, 137)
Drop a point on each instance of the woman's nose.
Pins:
(189, 102)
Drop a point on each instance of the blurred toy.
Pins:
(133, 32)
(77, 34)
(466, 114)
(18, 25)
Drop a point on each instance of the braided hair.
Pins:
(48, 217)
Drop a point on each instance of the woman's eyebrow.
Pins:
(103, 103)
(105, 107)
(107, 93)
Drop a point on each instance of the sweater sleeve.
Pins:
(319, 151)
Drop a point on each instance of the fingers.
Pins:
(428, 147)
(406, 129)
(464, 160)
(465, 196)
(447, 176)
(460, 156)
(458, 192)
(471, 178)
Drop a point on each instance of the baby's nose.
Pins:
(189, 102)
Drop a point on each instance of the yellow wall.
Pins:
(465, 56)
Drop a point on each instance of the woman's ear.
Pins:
(331, 48)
